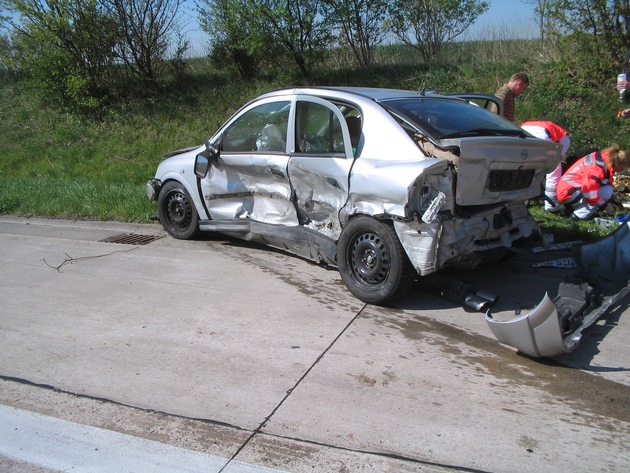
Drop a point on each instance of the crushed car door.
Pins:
(249, 178)
(321, 162)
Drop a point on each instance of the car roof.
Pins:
(370, 93)
(377, 94)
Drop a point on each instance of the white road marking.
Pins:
(62, 445)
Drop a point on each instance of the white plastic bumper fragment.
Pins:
(536, 333)
(554, 327)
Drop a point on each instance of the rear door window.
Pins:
(318, 130)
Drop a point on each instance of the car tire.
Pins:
(177, 212)
(372, 261)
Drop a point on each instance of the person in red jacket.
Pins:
(587, 185)
(549, 131)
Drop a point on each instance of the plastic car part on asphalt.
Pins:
(555, 327)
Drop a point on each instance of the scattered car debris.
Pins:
(556, 246)
(468, 295)
(555, 327)
(557, 263)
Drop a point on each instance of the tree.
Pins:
(3, 9)
(6, 47)
(297, 27)
(67, 44)
(361, 24)
(233, 36)
(601, 26)
(294, 28)
(541, 10)
(146, 27)
(427, 24)
(78, 50)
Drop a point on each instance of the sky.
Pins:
(504, 19)
(513, 17)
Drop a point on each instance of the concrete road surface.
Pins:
(122, 349)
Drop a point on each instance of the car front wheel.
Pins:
(372, 261)
(177, 211)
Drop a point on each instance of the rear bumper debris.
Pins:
(555, 327)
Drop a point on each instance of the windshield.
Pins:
(442, 118)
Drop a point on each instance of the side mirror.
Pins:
(203, 160)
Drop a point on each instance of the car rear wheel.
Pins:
(177, 211)
(372, 262)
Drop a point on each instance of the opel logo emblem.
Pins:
(524, 154)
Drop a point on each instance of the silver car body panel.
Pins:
(460, 239)
(480, 156)
(392, 175)
(536, 333)
(555, 327)
(254, 186)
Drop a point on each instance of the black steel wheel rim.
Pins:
(370, 259)
(179, 210)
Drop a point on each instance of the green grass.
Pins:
(74, 198)
(564, 229)
(59, 164)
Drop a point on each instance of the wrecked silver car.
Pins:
(385, 184)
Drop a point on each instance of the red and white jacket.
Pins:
(552, 131)
(586, 175)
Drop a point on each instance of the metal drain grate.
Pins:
(132, 239)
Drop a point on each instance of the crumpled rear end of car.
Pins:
(476, 202)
